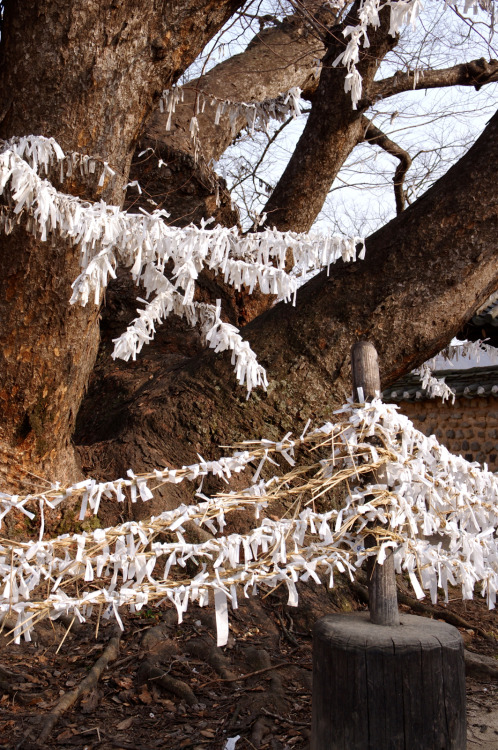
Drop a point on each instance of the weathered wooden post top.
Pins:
(382, 681)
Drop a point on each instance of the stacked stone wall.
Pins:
(469, 427)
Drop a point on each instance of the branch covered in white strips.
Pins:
(470, 350)
(402, 13)
(256, 114)
(108, 237)
(437, 511)
(435, 387)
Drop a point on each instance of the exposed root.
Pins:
(161, 649)
(89, 683)
(287, 721)
(150, 672)
(260, 727)
(256, 673)
(212, 656)
(6, 675)
(287, 633)
(480, 666)
(442, 614)
(273, 695)
(18, 686)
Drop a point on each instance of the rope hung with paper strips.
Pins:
(437, 512)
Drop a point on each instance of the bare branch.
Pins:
(474, 73)
(373, 135)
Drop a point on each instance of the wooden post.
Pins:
(381, 681)
(378, 688)
(381, 578)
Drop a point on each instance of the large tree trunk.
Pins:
(88, 74)
(423, 276)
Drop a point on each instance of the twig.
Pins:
(287, 721)
(66, 634)
(258, 671)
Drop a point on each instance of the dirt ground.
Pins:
(482, 715)
(169, 686)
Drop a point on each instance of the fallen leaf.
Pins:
(124, 682)
(145, 696)
(207, 733)
(125, 724)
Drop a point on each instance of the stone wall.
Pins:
(469, 427)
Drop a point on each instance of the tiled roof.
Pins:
(488, 313)
(471, 383)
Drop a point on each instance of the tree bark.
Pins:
(275, 60)
(424, 275)
(88, 74)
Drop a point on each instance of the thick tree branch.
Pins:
(332, 131)
(373, 135)
(474, 73)
(276, 59)
(424, 274)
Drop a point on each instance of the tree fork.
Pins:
(332, 131)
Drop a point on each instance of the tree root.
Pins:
(150, 672)
(260, 727)
(161, 649)
(18, 686)
(442, 614)
(287, 633)
(6, 678)
(481, 667)
(213, 656)
(69, 699)
(283, 719)
(271, 694)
